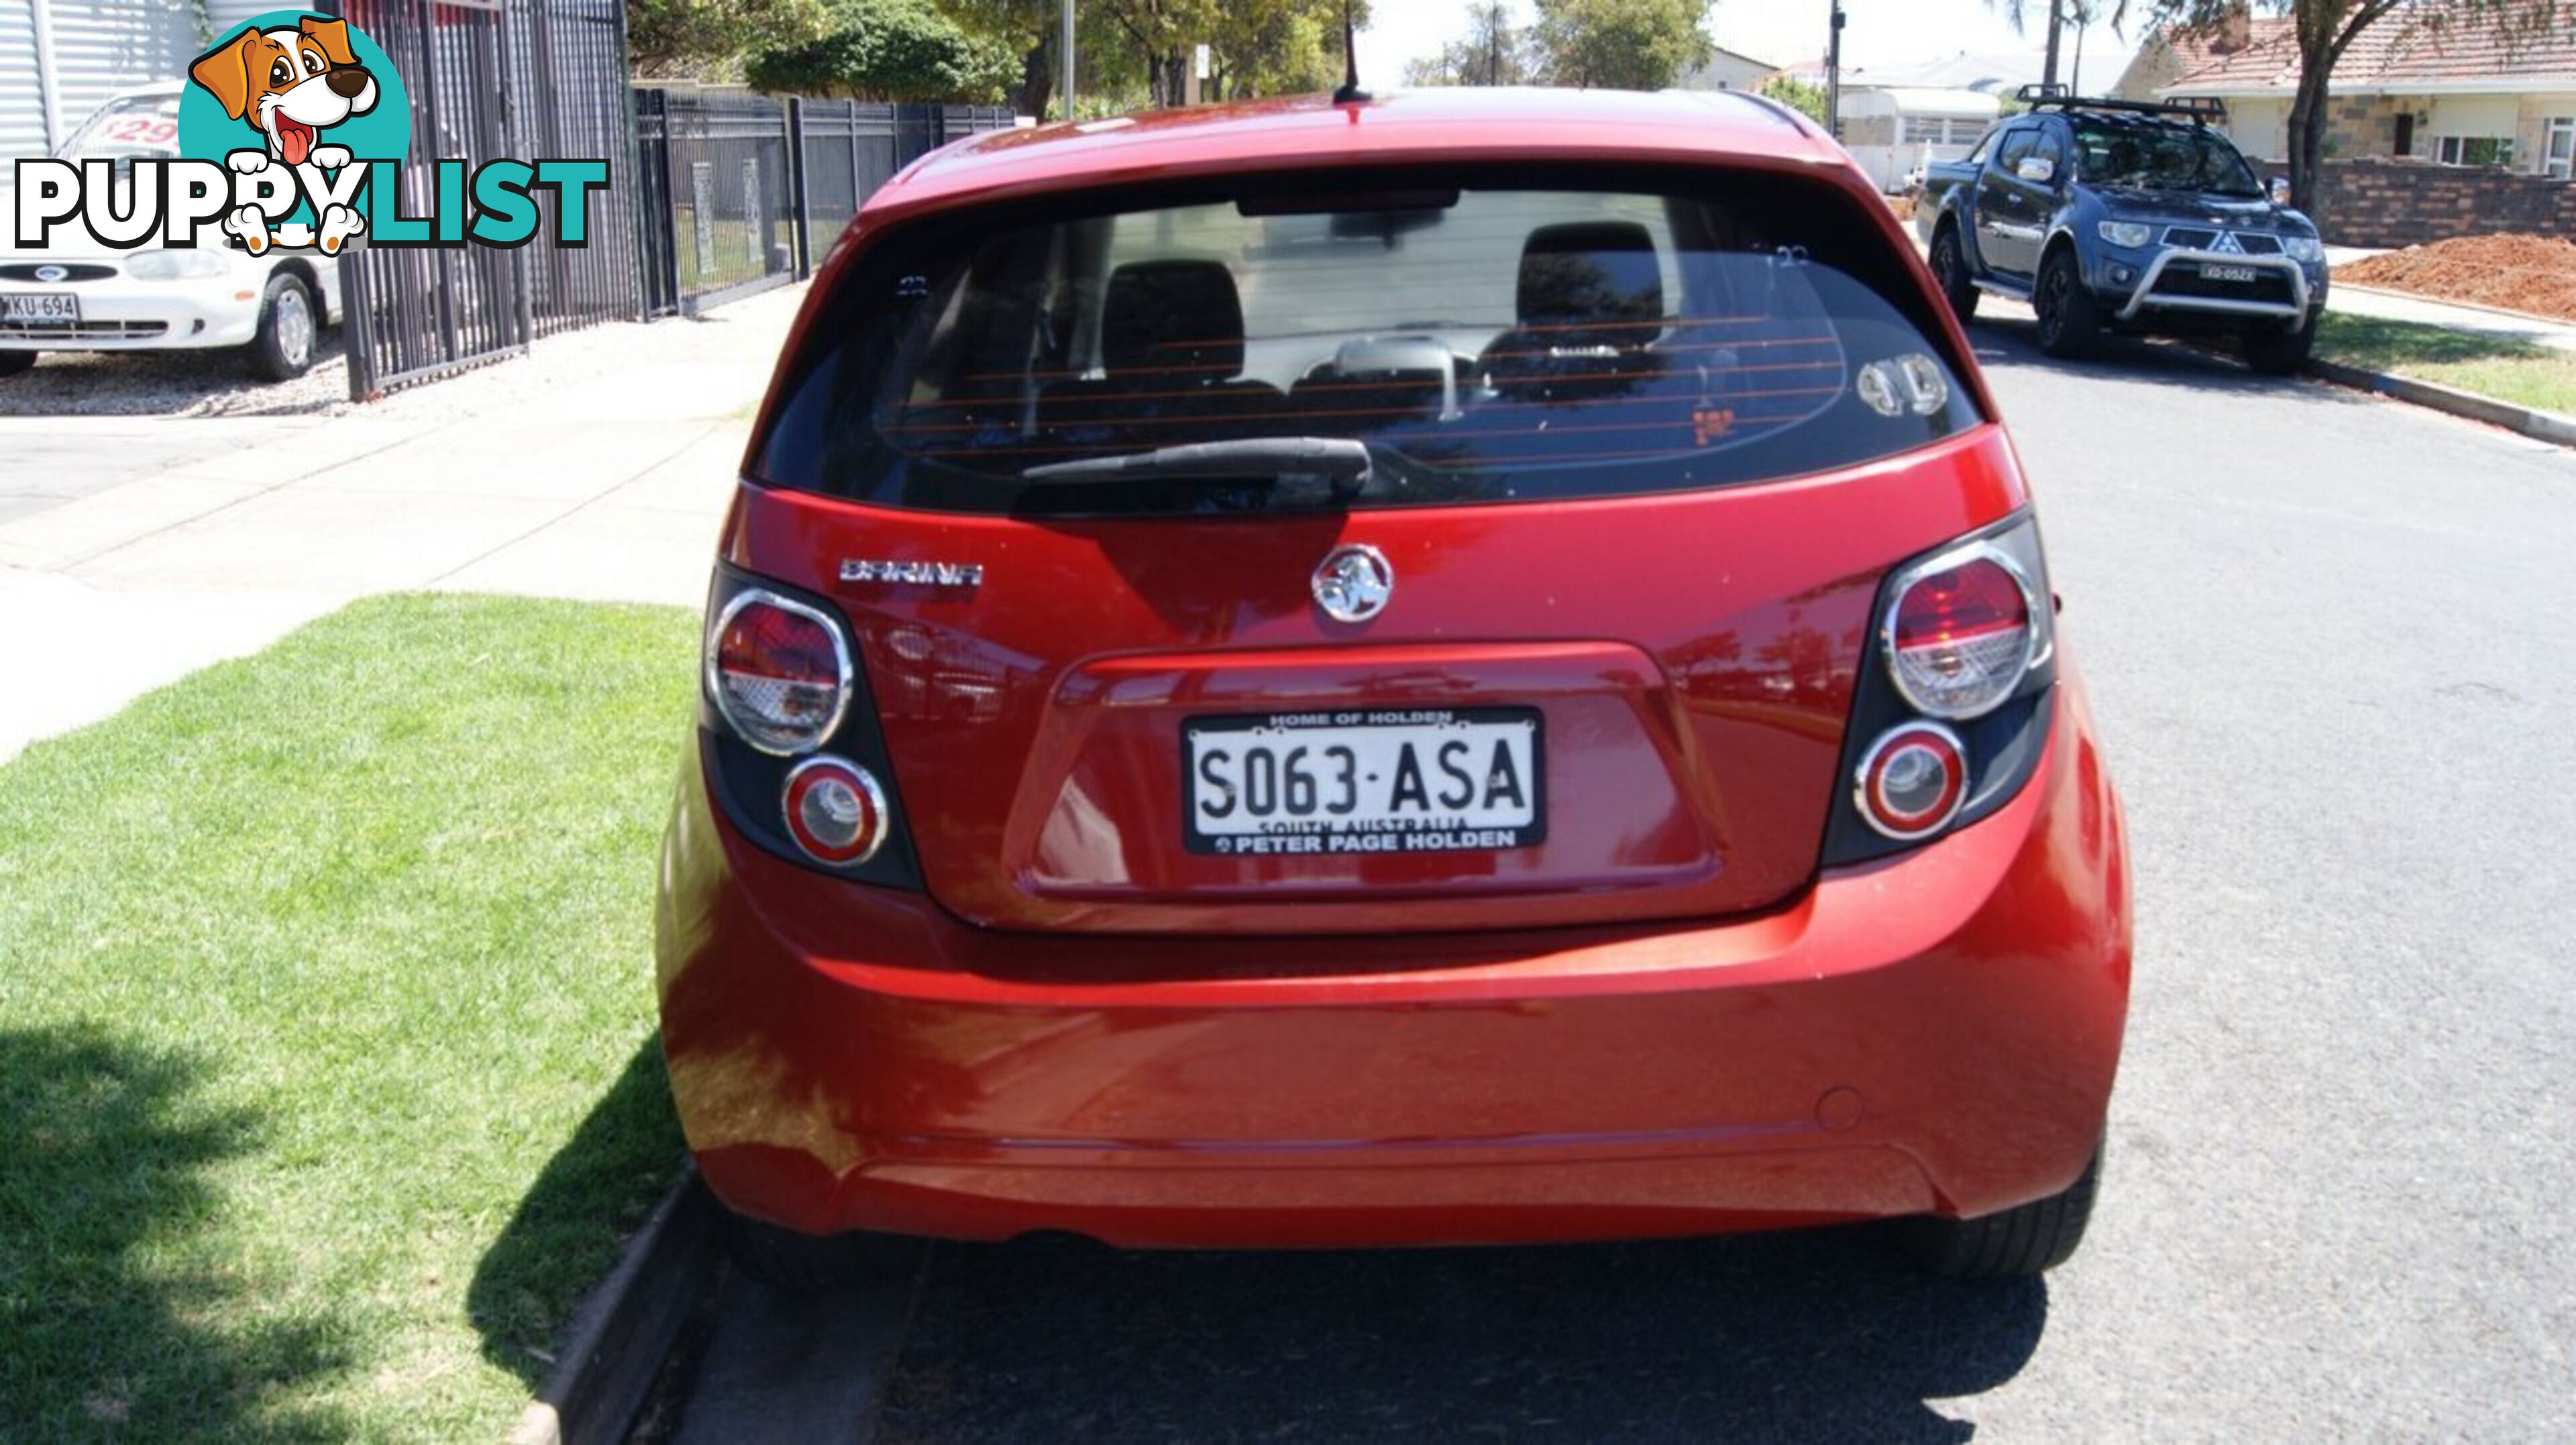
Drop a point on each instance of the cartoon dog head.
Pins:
(289, 85)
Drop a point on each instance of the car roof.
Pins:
(1451, 124)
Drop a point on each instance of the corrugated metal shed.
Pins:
(22, 105)
(98, 48)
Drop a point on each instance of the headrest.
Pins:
(1590, 271)
(1181, 319)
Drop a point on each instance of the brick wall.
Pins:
(2382, 202)
(2361, 125)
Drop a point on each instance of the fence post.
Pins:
(634, 172)
(796, 187)
(514, 141)
(358, 323)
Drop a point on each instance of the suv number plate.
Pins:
(1386, 780)
(2241, 275)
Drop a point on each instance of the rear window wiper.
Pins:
(1340, 460)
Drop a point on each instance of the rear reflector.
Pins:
(1959, 633)
(778, 671)
(835, 810)
(1912, 781)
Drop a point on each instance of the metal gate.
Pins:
(846, 150)
(729, 187)
(743, 192)
(525, 79)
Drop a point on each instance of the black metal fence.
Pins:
(744, 192)
(712, 195)
(524, 79)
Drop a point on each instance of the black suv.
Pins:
(2125, 216)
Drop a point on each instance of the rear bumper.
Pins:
(1934, 1033)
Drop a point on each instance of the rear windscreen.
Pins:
(1485, 343)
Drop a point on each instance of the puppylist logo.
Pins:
(292, 133)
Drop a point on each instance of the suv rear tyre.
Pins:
(290, 327)
(2281, 352)
(2068, 319)
(1950, 272)
(2032, 1239)
(13, 363)
(810, 1263)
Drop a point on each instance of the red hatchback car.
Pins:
(1468, 667)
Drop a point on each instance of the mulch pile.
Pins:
(2519, 273)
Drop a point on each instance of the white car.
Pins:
(78, 296)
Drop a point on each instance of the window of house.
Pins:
(2558, 154)
(2476, 150)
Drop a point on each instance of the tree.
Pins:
(886, 50)
(706, 39)
(2060, 12)
(1491, 53)
(1803, 96)
(1029, 28)
(1623, 44)
(2325, 30)
(1278, 47)
(1256, 47)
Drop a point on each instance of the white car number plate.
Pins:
(2242, 275)
(1387, 780)
(41, 308)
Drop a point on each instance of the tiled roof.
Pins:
(2198, 50)
(2431, 43)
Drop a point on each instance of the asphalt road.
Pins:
(2327, 637)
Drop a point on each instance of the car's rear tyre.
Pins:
(1950, 271)
(290, 327)
(2068, 320)
(2282, 352)
(808, 1263)
(13, 363)
(2034, 1238)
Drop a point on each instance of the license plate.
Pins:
(2242, 275)
(1356, 781)
(40, 308)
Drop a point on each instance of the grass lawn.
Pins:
(739, 256)
(326, 1075)
(2521, 372)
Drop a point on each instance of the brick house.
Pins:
(2429, 83)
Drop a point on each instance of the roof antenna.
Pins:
(1350, 93)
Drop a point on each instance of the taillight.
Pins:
(1962, 630)
(1953, 720)
(835, 810)
(778, 672)
(1912, 781)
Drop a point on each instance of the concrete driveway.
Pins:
(597, 468)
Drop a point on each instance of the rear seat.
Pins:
(1590, 304)
(1171, 352)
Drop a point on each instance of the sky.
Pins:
(1781, 32)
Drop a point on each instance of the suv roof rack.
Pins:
(2198, 109)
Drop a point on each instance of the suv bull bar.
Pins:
(2144, 296)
